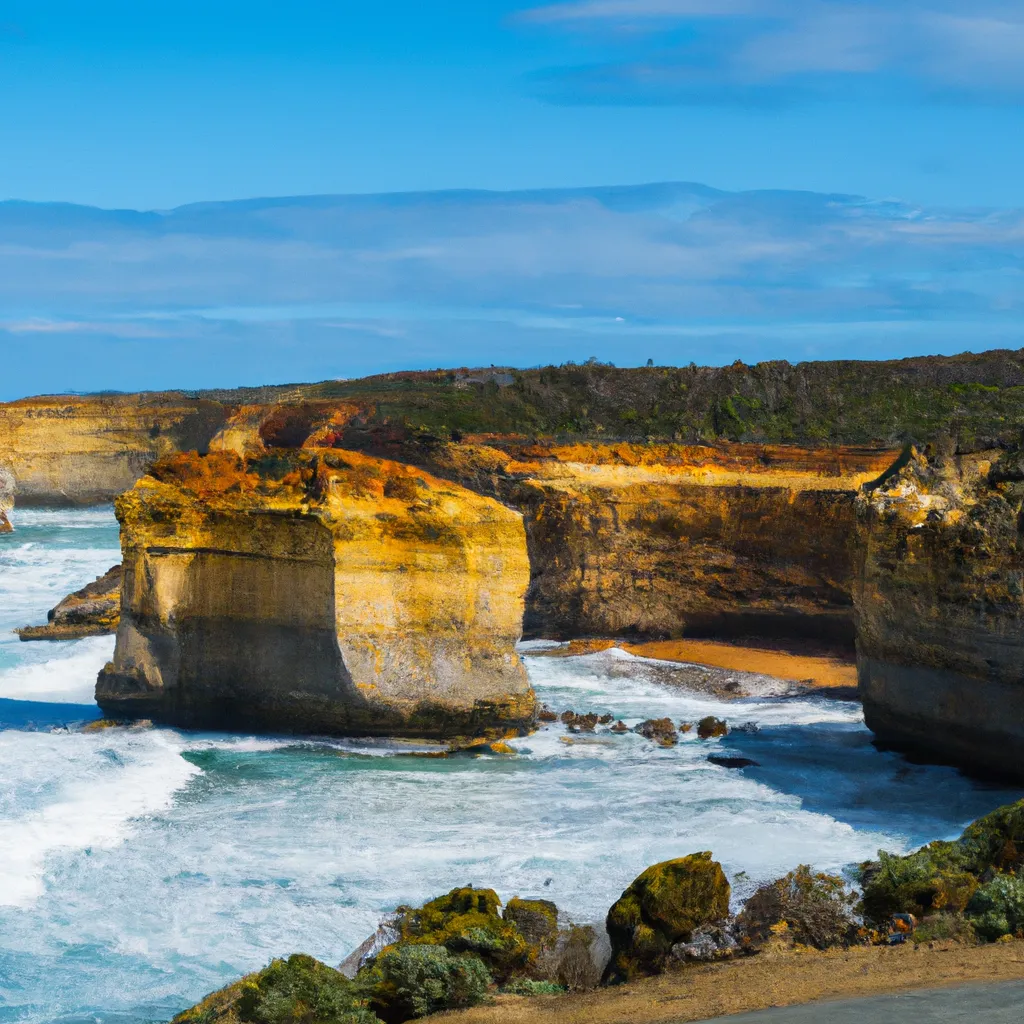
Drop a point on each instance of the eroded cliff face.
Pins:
(940, 609)
(70, 450)
(673, 540)
(318, 592)
(6, 498)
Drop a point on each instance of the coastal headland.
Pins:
(822, 501)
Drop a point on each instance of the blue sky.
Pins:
(917, 105)
(150, 105)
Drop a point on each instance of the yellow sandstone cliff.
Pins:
(318, 592)
(673, 540)
(940, 609)
(84, 450)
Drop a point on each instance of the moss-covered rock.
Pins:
(299, 990)
(943, 876)
(660, 908)
(467, 920)
(537, 920)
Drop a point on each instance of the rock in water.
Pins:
(939, 599)
(92, 611)
(662, 907)
(318, 592)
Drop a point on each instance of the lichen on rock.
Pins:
(661, 908)
(318, 592)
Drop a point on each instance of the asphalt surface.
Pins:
(998, 1003)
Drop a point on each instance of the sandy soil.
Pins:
(754, 983)
(814, 667)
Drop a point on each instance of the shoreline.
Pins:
(808, 664)
(768, 979)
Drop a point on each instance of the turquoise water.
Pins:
(139, 869)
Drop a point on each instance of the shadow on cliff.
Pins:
(837, 770)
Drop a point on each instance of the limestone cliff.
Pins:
(672, 540)
(71, 450)
(940, 609)
(6, 498)
(318, 592)
(92, 611)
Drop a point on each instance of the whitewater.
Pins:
(142, 868)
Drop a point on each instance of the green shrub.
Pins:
(944, 928)
(997, 908)
(466, 920)
(817, 908)
(299, 990)
(531, 987)
(407, 981)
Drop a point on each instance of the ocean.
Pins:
(142, 868)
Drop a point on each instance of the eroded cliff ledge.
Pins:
(318, 592)
(670, 540)
(940, 609)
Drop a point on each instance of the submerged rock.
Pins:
(318, 592)
(663, 907)
(710, 728)
(95, 610)
(724, 761)
(660, 730)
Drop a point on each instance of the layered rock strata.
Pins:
(673, 540)
(71, 450)
(95, 610)
(318, 592)
(940, 609)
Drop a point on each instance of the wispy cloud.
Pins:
(770, 51)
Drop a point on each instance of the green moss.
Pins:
(467, 920)
(537, 920)
(299, 990)
(662, 907)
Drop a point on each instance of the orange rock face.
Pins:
(673, 540)
(318, 592)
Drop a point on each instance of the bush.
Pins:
(407, 981)
(817, 908)
(945, 928)
(299, 990)
(531, 987)
(997, 908)
(466, 920)
(576, 968)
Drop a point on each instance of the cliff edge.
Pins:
(940, 609)
(318, 592)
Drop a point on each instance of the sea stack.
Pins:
(940, 609)
(319, 592)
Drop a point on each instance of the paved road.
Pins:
(1000, 1003)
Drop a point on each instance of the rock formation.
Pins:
(95, 610)
(318, 592)
(6, 498)
(672, 540)
(940, 609)
(72, 450)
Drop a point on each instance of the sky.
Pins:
(915, 105)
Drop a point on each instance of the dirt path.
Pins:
(702, 992)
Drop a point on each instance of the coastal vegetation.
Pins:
(462, 948)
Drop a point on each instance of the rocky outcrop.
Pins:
(940, 609)
(95, 610)
(318, 592)
(72, 450)
(663, 907)
(673, 540)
